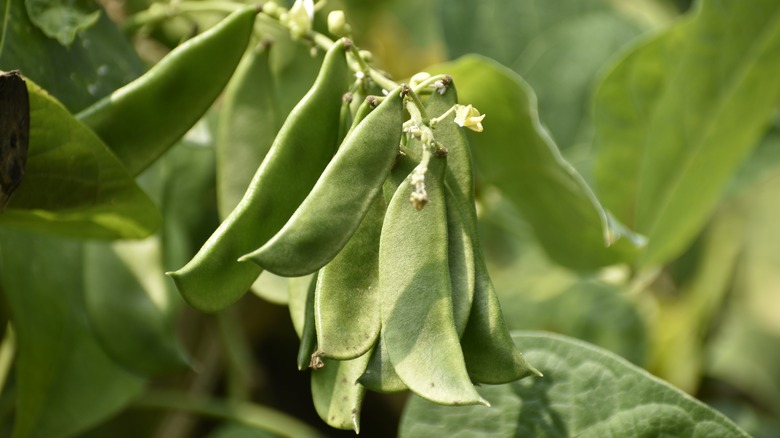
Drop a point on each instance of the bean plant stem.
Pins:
(240, 412)
(7, 352)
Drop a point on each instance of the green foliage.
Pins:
(664, 156)
(630, 402)
(73, 185)
(433, 214)
(62, 20)
(66, 382)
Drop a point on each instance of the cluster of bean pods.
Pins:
(395, 296)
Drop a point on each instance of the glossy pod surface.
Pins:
(214, 278)
(143, 119)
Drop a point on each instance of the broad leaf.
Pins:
(132, 307)
(99, 61)
(62, 19)
(537, 294)
(686, 311)
(678, 114)
(585, 392)
(516, 154)
(66, 382)
(73, 185)
(558, 46)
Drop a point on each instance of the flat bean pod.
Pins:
(417, 313)
(144, 118)
(247, 126)
(461, 217)
(380, 375)
(308, 332)
(337, 398)
(214, 278)
(490, 354)
(328, 217)
(460, 257)
(347, 297)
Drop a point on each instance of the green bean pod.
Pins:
(380, 375)
(417, 312)
(247, 126)
(337, 399)
(214, 278)
(144, 118)
(308, 331)
(328, 217)
(460, 257)
(490, 354)
(347, 295)
(461, 225)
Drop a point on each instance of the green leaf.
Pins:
(585, 391)
(62, 19)
(701, 96)
(558, 46)
(66, 382)
(131, 307)
(516, 154)
(537, 294)
(73, 185)
(100, 60)
(686, 313)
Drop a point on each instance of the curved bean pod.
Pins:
(214, 278)
(380, 375)
(347, 297)
(144, 118)
(417, 313)
(328, 217)
(490, 354)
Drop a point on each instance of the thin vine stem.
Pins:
(249, 414)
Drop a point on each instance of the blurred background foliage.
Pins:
(707, 320)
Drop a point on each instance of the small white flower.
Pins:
(299, 17)
(439, 86)
(467, 116)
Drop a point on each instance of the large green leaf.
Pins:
(537, 294)
(585, 392)
(132, 307)
(516, 154)
(99, 61)
(73, 185)
(66, 382)
(678, 114)
(558, 46)
(62, 19)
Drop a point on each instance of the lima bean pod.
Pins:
(337, 399)
(144, 118)
(308, 332)
(248, 122)
(491, 356)
(347, 296)
(461, 225)
(380, 375)
(328, 217)
(214, 278)
(489, 352)
(417, 312)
